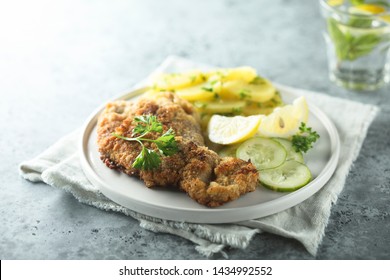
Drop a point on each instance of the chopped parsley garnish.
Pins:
(244, 94)
(304, 139)
(200, 105)
(258, 81)
(192, 79)
(210, 89)
(237, 110)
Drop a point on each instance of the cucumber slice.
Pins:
(264, 153)
(229, 151)
(289, 176)
(291, 153)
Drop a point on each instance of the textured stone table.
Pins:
(61, 59)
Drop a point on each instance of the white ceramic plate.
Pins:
(175, 205)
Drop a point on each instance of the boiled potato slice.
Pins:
(256, 110)
(259, 91)
(244, 73)
(173, 81)
(221, 107)
(263, 108)
(202, 92)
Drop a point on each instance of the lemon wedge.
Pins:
(230, 130)
(284, 121)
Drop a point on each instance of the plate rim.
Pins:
(230, 215)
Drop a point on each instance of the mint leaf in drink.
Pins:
(340, 41)
(348, 46)
(363, 45)
(357, 2)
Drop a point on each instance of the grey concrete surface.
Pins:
(61, 59)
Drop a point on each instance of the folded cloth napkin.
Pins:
(59, 167)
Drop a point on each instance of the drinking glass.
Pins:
(357, 36)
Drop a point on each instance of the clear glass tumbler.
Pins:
(357, 36)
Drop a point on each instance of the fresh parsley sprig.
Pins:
(146, 124)
(304, 139)
(149, 159)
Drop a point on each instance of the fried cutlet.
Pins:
(195, 169)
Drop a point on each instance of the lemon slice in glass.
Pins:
(230, 130)
(367, 9)
(335, 2)
(284, 121)
(371, 9)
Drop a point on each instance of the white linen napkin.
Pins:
(59, 167)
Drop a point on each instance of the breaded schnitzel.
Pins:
(195, 169)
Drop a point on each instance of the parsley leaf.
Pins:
(146, 124)
(245, 94)
(258, 81)
(149, 159)
(167, 144)
(210, 89)
(304, 139)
